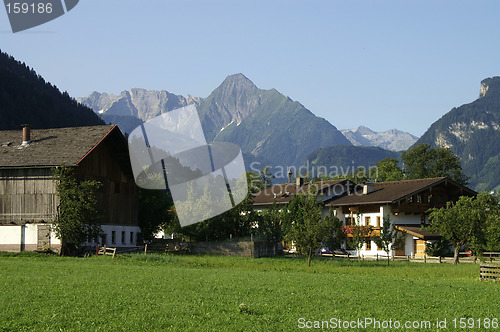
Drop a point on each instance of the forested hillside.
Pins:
(25, 97)
(345, 159)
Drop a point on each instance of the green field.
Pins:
(163, 292)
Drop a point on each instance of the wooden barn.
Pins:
(28, 198)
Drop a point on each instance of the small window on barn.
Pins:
(369, 244)
(348, 221)
(378, 221)
(367, 221)
(103, 239)
(113, 237)
(123, 237)
(131, 237)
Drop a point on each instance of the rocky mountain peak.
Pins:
(490, 86)
(393, 139)
(234, 100)
(364, 130)
(237, 82)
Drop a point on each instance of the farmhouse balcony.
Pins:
(374, 233)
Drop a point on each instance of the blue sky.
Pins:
(383, 64)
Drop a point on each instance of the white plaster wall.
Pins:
(404, 219)
(30, 234)
(16, 238)
(373, 218)
(409, 245)
(10, 237)
(108, 229)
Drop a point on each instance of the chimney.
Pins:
(300, 181)
(367, 188)
(26, 134)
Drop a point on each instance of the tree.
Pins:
(266, 177)
(259, 181)
(235, 222)
(306, 227)
(360, 175)
(422, 161)
(78, 218)
(467, 222)
(156, 211)
(269, 223)
(389, 237)
(492, 233)
(388, 170)
(156, 207)
(439, 248)
(335, 241)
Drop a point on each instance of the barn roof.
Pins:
(50, 147)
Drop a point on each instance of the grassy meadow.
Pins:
(164, 292)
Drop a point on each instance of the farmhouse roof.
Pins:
(394, 191)
(283, 193)
(419, 232)
(51, 147)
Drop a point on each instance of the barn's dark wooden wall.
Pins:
(110, 164)
(27, 195)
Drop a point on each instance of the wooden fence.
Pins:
(489, 271)
(491, 255)
(464, 257)
(107, 251)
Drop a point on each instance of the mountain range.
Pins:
(472, 131)
(275, 130)
(268, 126)
(394, 139)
